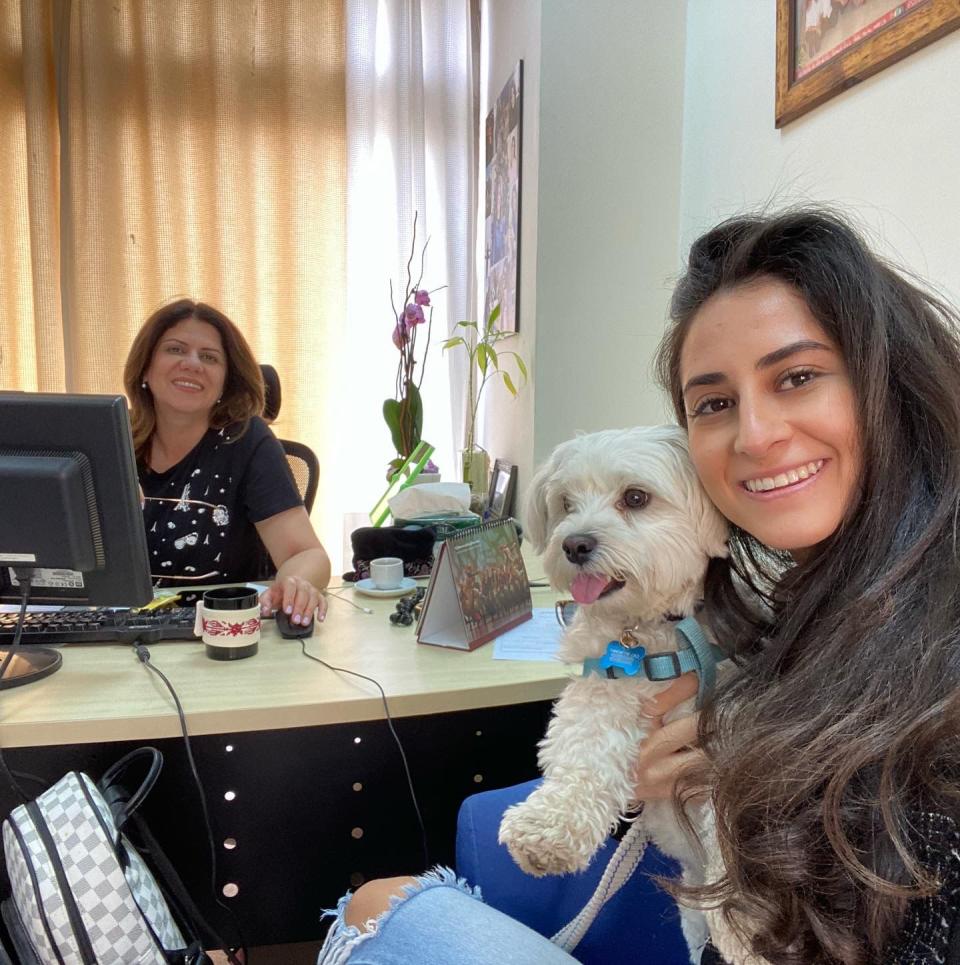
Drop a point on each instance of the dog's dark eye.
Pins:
(566, 504)
(635, 499)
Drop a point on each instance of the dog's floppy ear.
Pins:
(712, 527)
(535, 517)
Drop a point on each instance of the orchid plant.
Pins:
(403, 413)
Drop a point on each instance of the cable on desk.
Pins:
(25, 577)
(330, 595)
(403, 756)
(143, 654)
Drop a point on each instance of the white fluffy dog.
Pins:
(624, 526)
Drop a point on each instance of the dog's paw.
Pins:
(543, 844)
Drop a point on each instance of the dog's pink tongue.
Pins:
(586, 587)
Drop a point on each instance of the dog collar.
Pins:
(625, 658)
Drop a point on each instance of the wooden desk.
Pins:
(321, 800)
(101, 693)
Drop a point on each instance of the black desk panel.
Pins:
(316, 810)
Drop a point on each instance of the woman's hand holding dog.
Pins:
(669, 748)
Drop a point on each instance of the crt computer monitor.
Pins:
(69, 502)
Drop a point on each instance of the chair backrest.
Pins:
(305, 468)
(271, 393)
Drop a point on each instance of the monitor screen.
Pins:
(70, 508)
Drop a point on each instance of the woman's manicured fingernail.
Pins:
(288, 610)
(296, 618)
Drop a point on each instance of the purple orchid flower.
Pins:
(400, 334)
(422, 297)
(413, 315)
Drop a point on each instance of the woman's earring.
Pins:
(220, 400)
(143, 385)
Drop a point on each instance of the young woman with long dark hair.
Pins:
(819, 388)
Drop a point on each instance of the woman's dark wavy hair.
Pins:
(243, 391)
(842, 726)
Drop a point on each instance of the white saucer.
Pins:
(367, 588)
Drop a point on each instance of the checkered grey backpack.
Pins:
(81, 894)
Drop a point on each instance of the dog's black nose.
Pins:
(579, 547)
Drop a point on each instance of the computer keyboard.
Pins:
(100, 625)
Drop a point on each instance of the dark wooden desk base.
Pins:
(317, 810)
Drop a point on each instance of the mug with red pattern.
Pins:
(228, 619)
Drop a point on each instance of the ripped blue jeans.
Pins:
(440, 920)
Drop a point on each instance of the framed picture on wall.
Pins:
(504, 139)
(827, 46)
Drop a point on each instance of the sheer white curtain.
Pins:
(411, 149)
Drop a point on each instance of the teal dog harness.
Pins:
(626, 658)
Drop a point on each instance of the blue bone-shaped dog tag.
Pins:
(628, 659)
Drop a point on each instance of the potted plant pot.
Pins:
(475, 470)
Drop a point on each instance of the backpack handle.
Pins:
(122, 801)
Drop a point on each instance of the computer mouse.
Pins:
(293, 631)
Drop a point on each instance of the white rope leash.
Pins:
(620, 868)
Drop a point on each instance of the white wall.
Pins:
(603, 99)
(611, 107)
(645, 123)
(887, 151)
(510, 31)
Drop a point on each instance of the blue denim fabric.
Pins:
(440, 921)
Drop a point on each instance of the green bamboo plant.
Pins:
(484, 362)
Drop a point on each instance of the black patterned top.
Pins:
(200, 513)
(931, 931)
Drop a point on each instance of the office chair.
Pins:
(640, 922)
(305, 468)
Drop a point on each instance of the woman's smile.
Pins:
(784, 482)
(188, 386)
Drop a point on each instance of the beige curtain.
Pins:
(159, 148)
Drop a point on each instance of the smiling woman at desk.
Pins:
(214, 476)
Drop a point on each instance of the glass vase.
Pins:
(475, 471)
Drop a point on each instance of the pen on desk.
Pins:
(158, 602)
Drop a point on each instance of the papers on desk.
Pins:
(537, 639)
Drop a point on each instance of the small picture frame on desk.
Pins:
(503, 486)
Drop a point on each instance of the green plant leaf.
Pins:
(404, 419)
(508, 382)
(393, 467)
(493, 357)
(482, 358)
(519, 363)
(391, 415)
(466, 324)
(451, 342)
(416, 415)
(493, 316)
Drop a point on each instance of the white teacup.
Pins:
(386, 572)
(228, 619)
